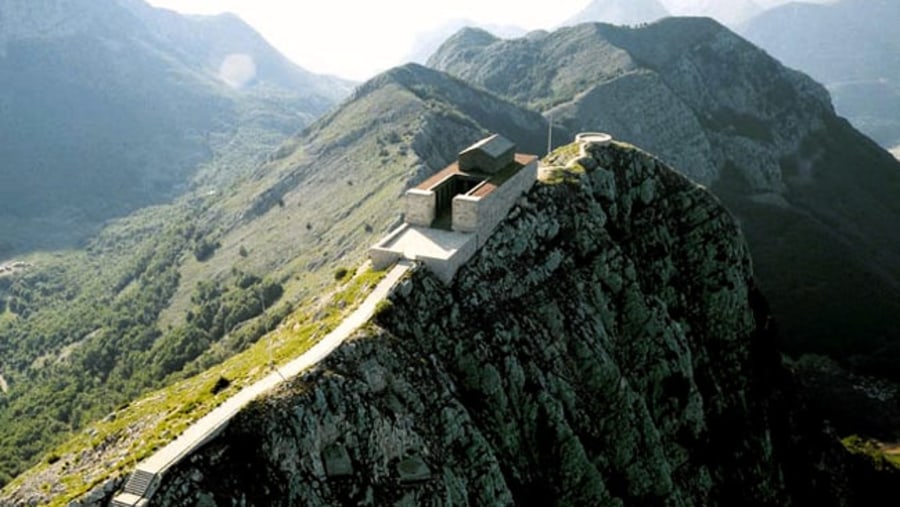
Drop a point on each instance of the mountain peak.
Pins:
(571, 343)
(473, 36)
(404, 75)
(731, 117)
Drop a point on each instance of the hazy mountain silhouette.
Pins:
(109, 106)
(852, 46)
(619, 12)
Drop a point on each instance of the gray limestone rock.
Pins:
(605, 347)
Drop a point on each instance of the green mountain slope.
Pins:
(814, 196)
(173, 291)
(106, 107)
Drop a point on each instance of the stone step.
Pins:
(129, 500)
(139, 483)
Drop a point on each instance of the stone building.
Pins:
(451, 214)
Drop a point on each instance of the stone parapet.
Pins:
(420, 207)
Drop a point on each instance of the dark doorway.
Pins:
(444, 193)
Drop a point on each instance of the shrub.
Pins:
(221, 384)
(204, 249)
(383, 309)
(340, 274)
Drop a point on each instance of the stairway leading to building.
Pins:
(146, 477)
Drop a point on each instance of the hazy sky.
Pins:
(357, 38)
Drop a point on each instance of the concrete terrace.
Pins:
(427, 242)
(147, 475)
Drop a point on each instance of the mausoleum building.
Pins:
(451, 214)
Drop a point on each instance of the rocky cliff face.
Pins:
(606, 347)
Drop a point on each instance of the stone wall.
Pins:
(477, 160)
(481, 216)
(419, 207)
(445, 269)
(381, 254)
(383, 257)
(466, 211)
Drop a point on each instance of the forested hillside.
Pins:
(106, 107)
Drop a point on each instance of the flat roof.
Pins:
(494, 146)
(492, 181)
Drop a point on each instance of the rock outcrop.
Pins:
(815, 198)
(606, 347)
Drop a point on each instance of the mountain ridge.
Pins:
(301, 216)
(562, 351)
(308, 210)
(764, 137)
(859, 70)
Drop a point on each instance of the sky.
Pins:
(355, 39)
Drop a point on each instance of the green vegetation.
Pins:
(149, 423)
(83, 337)
(86, 331)
(123, 114)
(875, 451)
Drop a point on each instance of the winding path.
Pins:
(146, 477)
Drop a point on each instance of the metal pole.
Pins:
(549, 133)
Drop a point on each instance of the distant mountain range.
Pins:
(730, 12)
(623, 12)
(427, 42)
(106, 107)
(852, 46)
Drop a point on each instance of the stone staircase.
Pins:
(137, 490)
